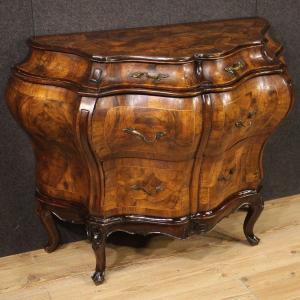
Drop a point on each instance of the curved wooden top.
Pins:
(179, 42)
(180, 59)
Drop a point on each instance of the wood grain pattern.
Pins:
(94, 63)
(212, 38)
(51, 64)
(236, 169)
(253, 108)
(151, 130)
(147, 187)
(48, 114)
(178, 119)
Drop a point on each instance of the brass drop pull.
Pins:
(247, 122)
(228, 176)
(232, 69)
(149, 190)
(133, 131)
(155, 77)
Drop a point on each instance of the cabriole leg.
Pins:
(47, 220)
(98, 239)
(254, 209)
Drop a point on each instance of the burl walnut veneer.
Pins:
(150, 130)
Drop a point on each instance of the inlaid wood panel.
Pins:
(236, 169)
(146, 187)
(56, 65)
(48, 114)
(253, 108)
(213, 37)
(146, 126)
(236, 65)
(208, 55)
(82, 71)
(148, 75)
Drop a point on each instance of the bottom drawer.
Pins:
(234, 170)
(146, 187)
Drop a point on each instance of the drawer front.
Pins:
(218, 71)
(146, 187)
(253, 108)
(146, 127)
(144, 75)
(69, 68)
(230, 172)
(232, 67)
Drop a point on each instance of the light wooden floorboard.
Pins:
(219, 265)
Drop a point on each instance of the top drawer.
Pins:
(236, 65)
(145, 75)
(65, 68)
(206, 72)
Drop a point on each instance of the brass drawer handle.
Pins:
(232, 69)
(248, 122)
(227, 178)
(141, 75)
(151, 191)
(133, 131)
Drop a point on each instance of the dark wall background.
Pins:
(20, 229)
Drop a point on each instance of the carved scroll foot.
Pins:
(98, 239)
(254, 210)
(47, 220)
(98, 277)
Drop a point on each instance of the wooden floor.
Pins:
(219, 265)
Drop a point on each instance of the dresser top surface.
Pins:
(178, 41)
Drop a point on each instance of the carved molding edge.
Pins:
(83, 125)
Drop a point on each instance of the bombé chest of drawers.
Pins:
(150, 130)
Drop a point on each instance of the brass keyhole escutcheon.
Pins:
(227, 176)
(247, 122)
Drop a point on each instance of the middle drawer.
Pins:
(146, 126)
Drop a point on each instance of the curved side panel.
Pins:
(242, 120)
(56, 65)
(253, 108)
(48, 115)
(234, 170)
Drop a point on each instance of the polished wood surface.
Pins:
(213, 37)
(48, 114)
(167, 58)
(157, 129)
(251, 109)
(163, 268)
(165, 128)
(147, 187)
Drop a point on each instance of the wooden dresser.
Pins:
(150, 130)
